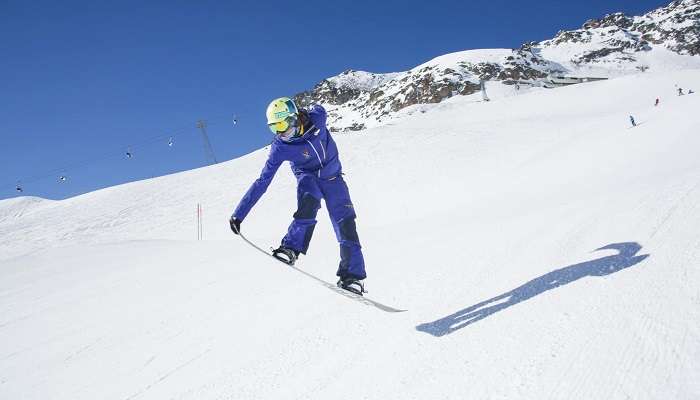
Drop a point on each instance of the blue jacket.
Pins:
(314, 153)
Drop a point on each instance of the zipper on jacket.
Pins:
(317, 156)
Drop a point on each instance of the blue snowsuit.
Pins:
(316, 166)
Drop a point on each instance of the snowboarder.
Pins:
(302, 138)
(632, 121)
(680, 91)
(657, 102)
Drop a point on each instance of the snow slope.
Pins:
(482, 219)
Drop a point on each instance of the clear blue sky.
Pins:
(81, 82)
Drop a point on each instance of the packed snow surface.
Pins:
(542, 247)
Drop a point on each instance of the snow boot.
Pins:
(286, 255)
(352, 285)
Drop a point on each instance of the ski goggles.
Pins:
(282, 126)
(287, 128)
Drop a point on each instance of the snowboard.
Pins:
(353, 296)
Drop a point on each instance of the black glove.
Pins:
(235, 225)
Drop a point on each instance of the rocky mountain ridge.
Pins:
(667, 37)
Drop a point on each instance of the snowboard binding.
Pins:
(287, 256)
(352, 285)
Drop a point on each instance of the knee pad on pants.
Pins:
(308, 206)
(348, 230)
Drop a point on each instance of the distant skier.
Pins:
(303, 139)
(656, 103)
(680, 91)
(690, 91)
(632, 121)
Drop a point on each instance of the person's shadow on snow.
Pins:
(603, 266)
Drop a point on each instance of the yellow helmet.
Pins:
(281, 113)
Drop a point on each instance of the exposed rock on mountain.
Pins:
(665, 38)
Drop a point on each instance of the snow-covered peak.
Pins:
(451, 60)
(676, 14)
(360, 80)
(676, 26)
(667, 38)
(620, 44)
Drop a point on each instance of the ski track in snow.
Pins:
(543, 250)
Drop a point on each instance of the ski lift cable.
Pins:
(82, 163)
(170, 136)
